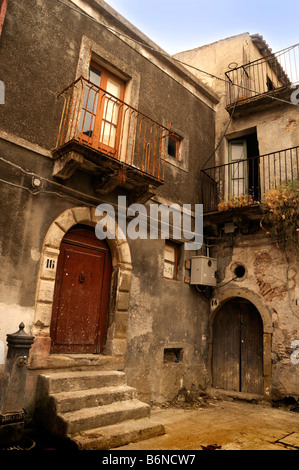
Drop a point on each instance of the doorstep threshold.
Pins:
(222, 393)
(73, 361)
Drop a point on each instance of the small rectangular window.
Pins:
(170, 260)
(173, 355)
(174, 147)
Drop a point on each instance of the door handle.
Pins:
(81, 277)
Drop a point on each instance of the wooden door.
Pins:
(237, 362)
(226, 348)
(82, 291)
(251, 349)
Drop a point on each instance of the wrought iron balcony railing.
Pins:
(95, 118)
(246, 181)
(264, 76)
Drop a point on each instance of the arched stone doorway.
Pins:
(115, 344)
(262, 315)
(237, 351)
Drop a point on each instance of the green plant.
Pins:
(281, 214)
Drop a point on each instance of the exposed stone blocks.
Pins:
(66, 221)
(124, 281)
(46, 291)
(43, 312)
(121, 261)
(123, 301)
(54, 234)
(40, 352)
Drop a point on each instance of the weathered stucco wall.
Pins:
(164, 314)
(272, 279)
(277, 128)
(216, 57)
(41, 54)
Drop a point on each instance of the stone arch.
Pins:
(243, 293)
(120, 285)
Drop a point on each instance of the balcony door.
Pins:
(238, 181)
(101, 110)
(243, 167)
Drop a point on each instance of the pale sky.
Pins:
(177, 25)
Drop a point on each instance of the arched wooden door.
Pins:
(237, 357)
(82, 291)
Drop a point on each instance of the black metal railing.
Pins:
(244, 182)
(263, 76)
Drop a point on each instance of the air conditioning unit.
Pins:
(203, 271)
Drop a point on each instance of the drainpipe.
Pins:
(3, 9)
(12, 390)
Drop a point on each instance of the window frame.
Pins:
(178, 143)
(98, 115)
(231, 179)
(174, 263)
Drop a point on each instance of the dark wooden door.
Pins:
(251, 349)
(237, 362)
(82, 290)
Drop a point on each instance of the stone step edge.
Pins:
(117, 435)
(51, 382)
(117, 406)
(62, 398)
(123, 411)
(81, 374)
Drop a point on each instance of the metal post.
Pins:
(13, 386)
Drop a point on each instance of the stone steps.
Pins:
(72, 401)
(90, 418)
(95, 409)
(121, 434)
(81, 380)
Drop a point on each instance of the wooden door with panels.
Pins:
(82, 292)
(237, 357)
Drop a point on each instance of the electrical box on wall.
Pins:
(203, 271)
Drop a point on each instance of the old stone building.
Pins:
(257, 139)
(95, 111)
(97, 115)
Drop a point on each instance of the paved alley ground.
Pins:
(224, 425)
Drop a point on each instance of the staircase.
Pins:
(96, 410)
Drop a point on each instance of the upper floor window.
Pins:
(102, 109)
(174, 147)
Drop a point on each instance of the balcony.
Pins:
(102, 135)
(262, 82)
(242, 183)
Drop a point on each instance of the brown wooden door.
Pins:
(82, 290)
(237, 362)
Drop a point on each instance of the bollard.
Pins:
(13, 386)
